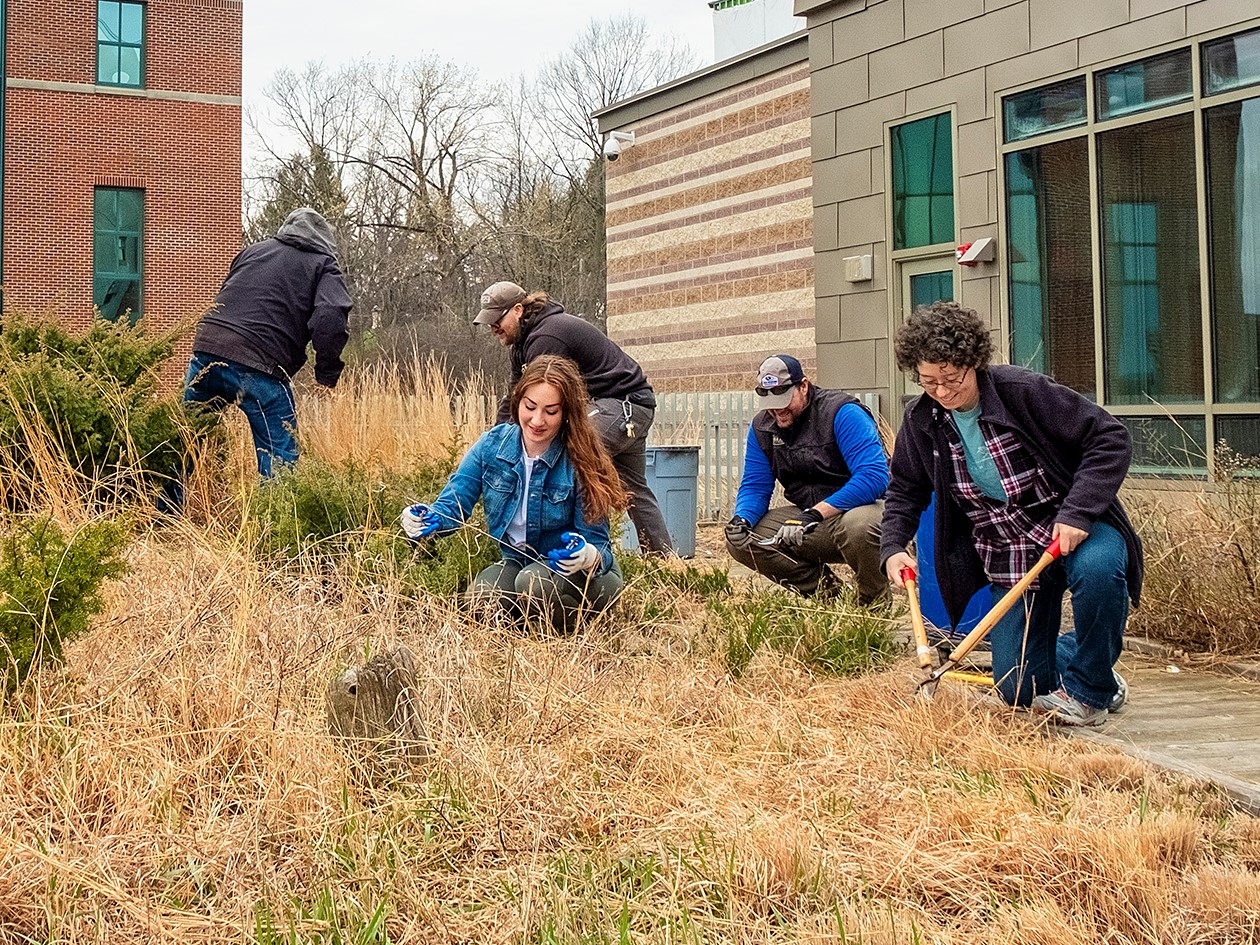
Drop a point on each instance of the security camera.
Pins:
(616, 142)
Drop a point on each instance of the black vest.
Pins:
(804, 458)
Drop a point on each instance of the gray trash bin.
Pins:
(671, 475)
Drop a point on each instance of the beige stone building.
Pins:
(1109, 150)
(710, 229)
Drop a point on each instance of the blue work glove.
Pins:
(577, 554)
(418, 521)
(792, 532)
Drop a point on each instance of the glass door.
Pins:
(921, 282)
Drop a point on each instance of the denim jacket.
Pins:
(494, 472)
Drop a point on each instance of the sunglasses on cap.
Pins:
(767, 391)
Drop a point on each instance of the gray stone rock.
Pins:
(374, 711)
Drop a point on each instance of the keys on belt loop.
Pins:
(625, 413)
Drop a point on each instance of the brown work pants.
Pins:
(850, 538)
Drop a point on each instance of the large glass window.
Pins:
(1231, 63)
(117, 252)
(1140, 86)
(1152, 324)
(120, 43)
(1043, 110)
(923, 182)
(1051, 262)
(1232, 144)
(1167, 444)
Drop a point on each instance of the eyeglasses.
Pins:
(939, 383)
(767, 391)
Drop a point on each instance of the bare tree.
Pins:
(438, 183)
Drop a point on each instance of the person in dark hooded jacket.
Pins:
(279, 296)
(531, 324)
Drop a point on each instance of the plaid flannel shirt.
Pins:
(1009, 536)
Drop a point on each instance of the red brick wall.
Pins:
(60, 145)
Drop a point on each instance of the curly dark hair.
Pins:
(943, 333)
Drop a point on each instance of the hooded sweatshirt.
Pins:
(279, 296)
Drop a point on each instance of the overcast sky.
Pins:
(499, 38)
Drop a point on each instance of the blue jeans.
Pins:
(266, 402)
(1030, 658)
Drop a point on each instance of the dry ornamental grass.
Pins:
(176, 780)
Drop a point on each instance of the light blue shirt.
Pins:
(976, 452)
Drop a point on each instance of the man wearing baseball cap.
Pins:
(823, 447)
(532, 324)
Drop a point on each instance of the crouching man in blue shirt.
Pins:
(823, 447)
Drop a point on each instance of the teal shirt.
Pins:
(979, 461)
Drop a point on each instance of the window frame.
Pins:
(890, 210)
(1196, 105)
(138, 312)
(142, 78)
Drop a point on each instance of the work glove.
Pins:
(576, 554)
(792, 532)
(739, 533)
(418, 521)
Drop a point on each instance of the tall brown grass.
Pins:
(1202, 555)
(175, 781)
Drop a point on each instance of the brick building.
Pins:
(122, 156)
(709, 221)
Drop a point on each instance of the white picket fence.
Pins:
(718, 424)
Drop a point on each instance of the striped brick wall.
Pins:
(710, 236)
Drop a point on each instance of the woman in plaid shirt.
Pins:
(1015, 461)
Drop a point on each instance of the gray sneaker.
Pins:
(1065, 710)
(1122, 694)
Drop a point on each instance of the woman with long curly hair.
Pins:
(1016, 461)
(548, 488)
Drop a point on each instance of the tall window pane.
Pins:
(1151, 309)
(923, 183)
(1233, 158)
(120, 43)
(1050, 262)
(930, 287)
(117, 252)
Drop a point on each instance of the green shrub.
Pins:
(443, 566)
(315, 506)
(91, 403)
(836, 637)
(345, 512)
(50, 585)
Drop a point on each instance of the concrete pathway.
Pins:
(1204, 722)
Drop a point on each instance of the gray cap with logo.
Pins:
(496, 300)
(776, 378)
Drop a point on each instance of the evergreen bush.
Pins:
(50, 585)
(91, 405)
(344, 511)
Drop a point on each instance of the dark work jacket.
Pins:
(805, 458)
(607, 370)
(1083, 450)
(280, 295)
